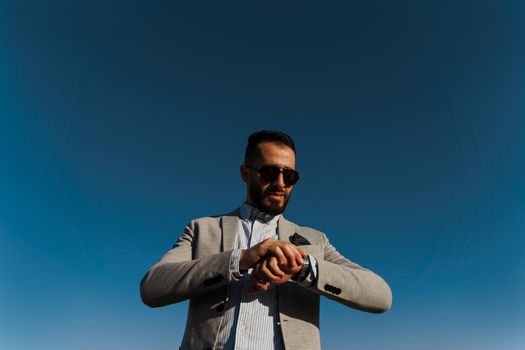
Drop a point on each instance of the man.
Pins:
(254, 278)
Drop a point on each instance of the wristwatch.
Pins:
(305, 271)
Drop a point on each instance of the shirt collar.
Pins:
(248, 212)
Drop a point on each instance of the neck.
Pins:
(249, 201)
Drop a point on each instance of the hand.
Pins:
(286, 253)
(269, 272)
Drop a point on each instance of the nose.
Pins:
(280, 180)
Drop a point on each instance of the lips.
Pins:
(276, 196)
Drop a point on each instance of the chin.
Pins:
(273, 209)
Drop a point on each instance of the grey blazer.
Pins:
(198, 268)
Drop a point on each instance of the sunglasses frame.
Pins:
(283, 171)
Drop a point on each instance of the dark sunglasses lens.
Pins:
(269, 173)
(290, 177)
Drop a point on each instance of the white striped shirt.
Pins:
(250, 321)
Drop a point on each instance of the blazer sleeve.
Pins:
(178, 276)
(350, 284)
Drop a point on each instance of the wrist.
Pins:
(244, 265)
(301, 275)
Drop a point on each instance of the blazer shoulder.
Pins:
(213, 219)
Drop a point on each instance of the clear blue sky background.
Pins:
(120, 121)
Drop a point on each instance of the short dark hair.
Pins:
(261, 136)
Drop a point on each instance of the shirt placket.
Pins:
(241, 333)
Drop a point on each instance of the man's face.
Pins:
(269, 197)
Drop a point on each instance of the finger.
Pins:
(256, 273)
(263, 285)
(293, 255)
(297, 251)
(299, 259)
(262, 273)
(257, 286)
(264, 246)
(266, 272)
(302, 255)
(296, 269)
(273, 266)
(248, 258)
(278, 253)
(289, 253)
(282, 280)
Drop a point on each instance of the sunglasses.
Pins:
(270, 173)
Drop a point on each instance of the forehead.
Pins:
(276, 154)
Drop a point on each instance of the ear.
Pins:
(244, 173)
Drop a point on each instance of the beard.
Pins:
(262, 201)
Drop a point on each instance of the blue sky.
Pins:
(121, 121)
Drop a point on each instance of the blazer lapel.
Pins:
(230, 223)
(285, 229)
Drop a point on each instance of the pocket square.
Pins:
(297, 239)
